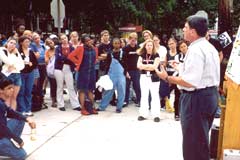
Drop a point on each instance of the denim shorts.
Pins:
(15, 78)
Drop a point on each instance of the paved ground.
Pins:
(108, 135)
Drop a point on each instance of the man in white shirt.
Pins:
(198, 79)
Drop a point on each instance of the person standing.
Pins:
(50, 57)
(104, 48)
(130, 58)
(116, 74)
(84, 57)
(149, 81)
(198, 79)
(24, 99)
(63, 73)
(12, 64)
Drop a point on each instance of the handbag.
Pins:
(51, 67)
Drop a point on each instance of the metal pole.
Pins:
(38, 27)
(58, 16)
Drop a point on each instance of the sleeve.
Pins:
(108, 62)
(124, 60)
(76, 55)
(20, 63)
(16, 115)
(96, 50)
(4, 58)
(46, 57)
(33, 60)
(6, 132)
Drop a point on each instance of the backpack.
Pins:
(51, 67)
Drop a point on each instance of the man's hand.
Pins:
(31, 123)
(162, 74)
(174, 64)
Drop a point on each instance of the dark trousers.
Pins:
(197, 111)
(135, 79)
(176, 100)
(53, 87)
(43, 74)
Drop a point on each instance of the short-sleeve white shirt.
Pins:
(201, 67)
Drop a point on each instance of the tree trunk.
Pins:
(225, 19)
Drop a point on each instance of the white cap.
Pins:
(52, 36)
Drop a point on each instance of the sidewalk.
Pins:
(108, 135)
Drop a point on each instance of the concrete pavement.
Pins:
(108, 135)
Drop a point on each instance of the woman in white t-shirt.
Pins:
(12, 64)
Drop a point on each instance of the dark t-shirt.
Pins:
(102, 49)
(149, 59)
(216, 44)
(130, 58)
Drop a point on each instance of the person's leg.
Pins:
(8, 149)
(42, 76)
(197, 112)
(28, 91)
(6, 146)
(135, 75)
(144, 105)
(16, 126)
(13, 102)
(68, 78)
(155, 102)
(176, 102)
(106, 98)
(91, 96)
(53, 90)
(59, 81)
(127, 92)
(21, 106)
(121, 88)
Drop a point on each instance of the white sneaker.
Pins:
(29, 114)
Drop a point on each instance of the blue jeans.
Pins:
(197, 114)
(119, 83)
(15, 78)
(24, 99)
(135, 78)
(7, 148)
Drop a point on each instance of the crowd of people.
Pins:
(151, 70)
(79, 61)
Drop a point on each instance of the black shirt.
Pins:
(130, 58)
(102, 49)
(216, 44)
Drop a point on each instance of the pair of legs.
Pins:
(147, 86)
(119, 84)
(197, 114)
(65, 75)
(7, 148)
(82, 98)
(17, 81)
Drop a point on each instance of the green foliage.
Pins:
(159, 16)
(236, 15)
